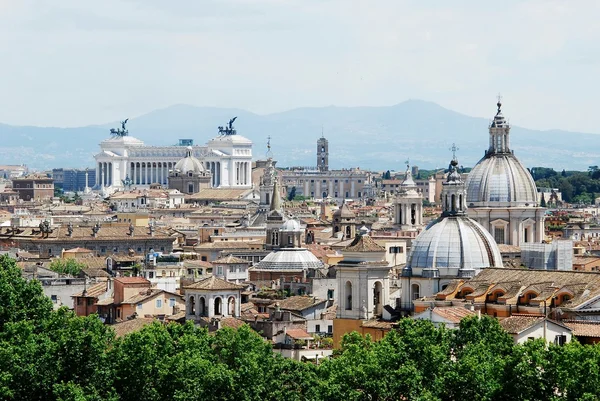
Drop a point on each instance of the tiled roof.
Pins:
(129, 326)
(95, 273)
(92, 292)
(219, 194)
(223, 245)
(231, 322)
(105, 301)
(298, 334)
(132, 280)
(79, 250)
(518, 324)
(504, 248)
(379, 324)
(452, 313)
(364, 243)
(142, 296)
(344, 212)
(214, 283)
(583, 328)
(230, 259)
(299, 303)
(196, 263)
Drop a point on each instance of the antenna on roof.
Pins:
(269, 153)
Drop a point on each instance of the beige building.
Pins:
(320, 182)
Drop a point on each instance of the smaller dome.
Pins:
(189, 163)
(291, 225)
(290, 259)
(454, 242)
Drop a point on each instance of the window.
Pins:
(560, 340)
(171, 302)
(330, 329)
(220, 270)
(151, 275)
(317, 328)
(54, 298)
(139, 306)
(90, 301)
(330, 294)
(396, 249)
(290, 240)
(103, 249)
(79, 301)
(359, 194)
(499, 235)
(159, 303)
(359, 181)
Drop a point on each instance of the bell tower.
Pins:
(323, 154)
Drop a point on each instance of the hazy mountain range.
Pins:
(377, 138)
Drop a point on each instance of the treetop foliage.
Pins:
(55, 355)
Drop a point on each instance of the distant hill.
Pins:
(377, 138)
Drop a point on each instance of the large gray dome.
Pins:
(454, 242)
(500, 180)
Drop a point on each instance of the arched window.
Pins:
(202, 307)
(415, 292)
(453, 203)
(231, 306)
(218, 306)
(348, 295)
(191, 306)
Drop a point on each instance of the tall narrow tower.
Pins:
(323, 154)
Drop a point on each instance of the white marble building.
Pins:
(227, 157)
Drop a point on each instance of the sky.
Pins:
(71, 63)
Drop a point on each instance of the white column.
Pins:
(352, 195)
(331, 188)
(342, 193)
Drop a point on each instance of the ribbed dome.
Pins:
(500, 180)
(290, 259)
(189, 163)
(454, 242)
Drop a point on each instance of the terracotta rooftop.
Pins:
(364, 243)
(95, 273)
(583, 328)
(230, 259)
(215, 284)
(298, 334)
(452, 313)
(132, 280)
(518, 324)
(79, 250)
(129, 326)
(299, 303)
(92, 292)
(344, 212)
(379, 324)
(142, 296)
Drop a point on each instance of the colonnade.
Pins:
(242, 173)
(104, 174)
(215, 170)
(146, 173)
